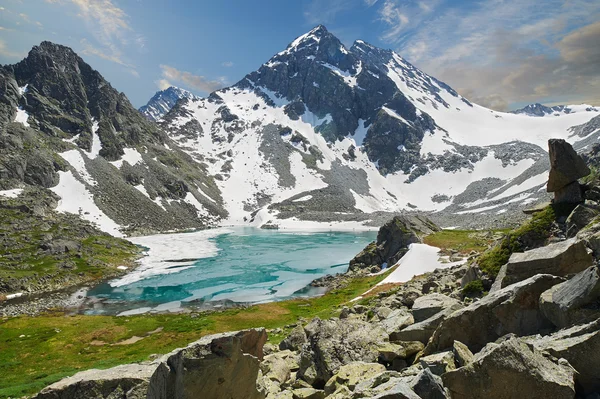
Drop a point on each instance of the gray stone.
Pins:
(510, 370)
(559, 259)
(428, 385)
(462, 354)
(574, 300)
(566, 166)
(581, 216)
(580, 345)
(295, 340)
(473, 273)
(308, 393)
(220, 366)
(570, 194)
(438, 363)
(513, 309)
(397, 320)
(429, 305)
(424, 330)
(351, 374)
(334, 343)
(127, 382)
(385, 386)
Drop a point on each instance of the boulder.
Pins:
(438, 363)
(397, 320)
(334, 343)
(566, 166)
(306, 393)
(462, 354)
(387, 385)
(573, 301)
(349, 375)
(513, 309)
(580, 217)
(473, 273)
(559, 259)
(580, 346)
(428, 385)
(570, 194)
(220, 366)
(276, 369)
(429, 305)
(424, 330)
(295, 340)
(510, 370)
(128, 382)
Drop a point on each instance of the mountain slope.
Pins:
(163, 101)
(63, 127)
(325, 133)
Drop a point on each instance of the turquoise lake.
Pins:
(242, 265)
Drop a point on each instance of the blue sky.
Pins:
(499, 53)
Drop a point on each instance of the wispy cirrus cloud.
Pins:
(173, 76)
(502, 52)
(110, 28)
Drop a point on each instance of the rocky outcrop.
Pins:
(431, 304)
(573, 301)
(559, 259)
(566, 166)
(220, 366)
(333, 343)
(513, 309)
(127, 382)
(580, 346)
(392, 243)
(511, 370)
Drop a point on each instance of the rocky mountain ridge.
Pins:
(64, 127)
(162, 102)
(541, 110)
(325, 133)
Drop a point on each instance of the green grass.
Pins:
(463, 241)
(37, 351)
(472, 289)
(532, 234)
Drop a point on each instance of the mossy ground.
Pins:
(37, 351)
(22, 257)
(531, 234)
(463, 241)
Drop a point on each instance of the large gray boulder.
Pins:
(559, 259)
(220, 366)
(580, 217)
(566, 166)
(513, 309)
(580, 345)
(334, 343)
(429, 305)
(423, 330)
(397, 320)
(385, 386)
(125, 382)
(510, 370)
(573, 301)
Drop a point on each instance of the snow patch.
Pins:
(14, 193)
(22, 117)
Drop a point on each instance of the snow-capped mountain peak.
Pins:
(538, 109)
(163, 101)
(321, 129)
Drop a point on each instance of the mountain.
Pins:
(325, 133)
(538, 109)
(163, 101)
(64, 128)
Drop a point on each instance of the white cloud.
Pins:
(227, 64)
(188, 79)
(110, 28)
(7, 52)
(500, 52)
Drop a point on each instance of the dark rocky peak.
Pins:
(65, 98)
(536, 109)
